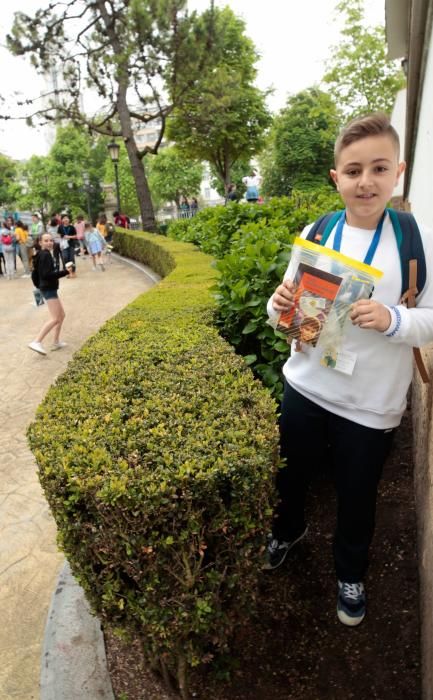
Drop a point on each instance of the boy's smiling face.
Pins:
(366, 173)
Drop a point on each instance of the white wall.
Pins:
(398, 120)
(209, 196)
(421, 186)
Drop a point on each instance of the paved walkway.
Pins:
(29, 559)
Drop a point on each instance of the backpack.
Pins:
(412, 258)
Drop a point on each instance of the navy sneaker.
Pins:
(277, 550)
(351, 603)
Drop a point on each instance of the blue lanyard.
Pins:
(373, 245)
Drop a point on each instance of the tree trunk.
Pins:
(223, 170)
(137, 167)
(166, 676)
(182, 677)
(227, 168)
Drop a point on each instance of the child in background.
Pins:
(352, 414)
(7, 238)
(120, 220)
(252, 183)
(2, 259)
(102, 226)
(79, 227)
(22, 236)
(10, 225)
(95, 244)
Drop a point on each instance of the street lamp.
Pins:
(67, 207)
(114, 149)
(86, 183)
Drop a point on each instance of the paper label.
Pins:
(343, 361)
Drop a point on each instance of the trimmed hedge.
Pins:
(157, 451)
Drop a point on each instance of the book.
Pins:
(315, 294)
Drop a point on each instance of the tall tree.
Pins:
(170, 175)
(224, 116)
(300, 148)
(173, 175)
(140, 56)
(239, 169)
(35, 175)
(57, 181)
(10, 188)
(74, 153)
(360, 77)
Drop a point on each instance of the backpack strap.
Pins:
(410, 300)
(321, 229)
(413, 268)
(412, 259)
(409, 243)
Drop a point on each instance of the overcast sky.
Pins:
(293, 40)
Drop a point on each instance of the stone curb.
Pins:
(74, 665)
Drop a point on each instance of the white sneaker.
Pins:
(37, 347)
(59, 345)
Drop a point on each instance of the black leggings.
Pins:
(309, 435)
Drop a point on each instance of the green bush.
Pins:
(249, 275)
(253, 245)
(213, 228)
(157, 451)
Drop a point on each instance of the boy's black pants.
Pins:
(357, 454)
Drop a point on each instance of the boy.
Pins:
(120, 219)
(353, 414)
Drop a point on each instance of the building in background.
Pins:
(409, 38)
(208, 194)
(147, 135)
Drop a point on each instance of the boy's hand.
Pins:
(284, 296)
(368, 313)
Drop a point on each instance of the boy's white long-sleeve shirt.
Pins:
(375, 394)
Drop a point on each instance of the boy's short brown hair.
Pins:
(376, 124)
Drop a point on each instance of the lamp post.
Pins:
(86, 183)
(114, 149)
(67, 207)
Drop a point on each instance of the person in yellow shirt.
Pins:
(101, 225)
(21, 237)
